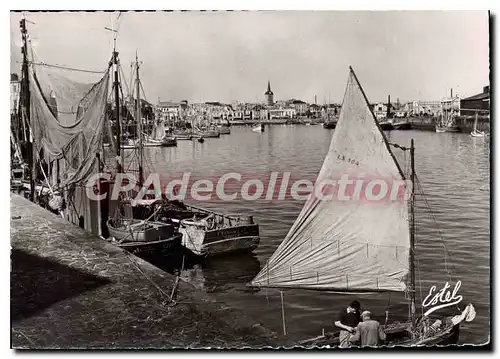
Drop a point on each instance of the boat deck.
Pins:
(71, 289)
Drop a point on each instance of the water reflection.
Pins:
(220, 274)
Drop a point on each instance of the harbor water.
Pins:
(453, 241)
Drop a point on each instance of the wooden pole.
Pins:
(283, 313)
(412, 236)
(26, 98)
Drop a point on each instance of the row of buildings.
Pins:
(293, 108)
(269, 110)
(468, 106)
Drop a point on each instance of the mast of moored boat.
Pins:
(117, 112)
(26, 112)
(139, 121)
(412, 235)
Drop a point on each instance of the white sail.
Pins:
(351, 245)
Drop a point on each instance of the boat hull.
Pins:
(224, 130)
(387, 126)
(209, 134)
(397, 335)
(148, 249)
(329, 125)
(477, 134)
(219, 241)
(402, 126)
(447, 129)
(139, 231)
(182, 137)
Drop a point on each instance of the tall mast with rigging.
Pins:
(116, 85)
(139, 121)
(117, 112)
(26, 105)
(412, 235)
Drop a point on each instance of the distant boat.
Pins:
(329, 124)
(166, 141)
(442, 129)
(224, 129)
(259, 128)
(402, 125)
(182, 135)
(475, 132)
(386, 125)
(129, 144)
(446, 123)
(207, 132)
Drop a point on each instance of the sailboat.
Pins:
(447, 123)
(139, 236)
(475, 132)
(258, 128)
(354, 246)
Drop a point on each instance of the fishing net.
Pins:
(68, 121)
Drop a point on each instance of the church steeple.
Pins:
(269, 94)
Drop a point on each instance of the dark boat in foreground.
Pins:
(142, 237)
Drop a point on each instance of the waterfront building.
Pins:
(479, 102)
(380, 110)
(300, 106)
(169, 110)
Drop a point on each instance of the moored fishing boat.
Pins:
(386, 125)
(352, 246)
(224, 129)
(205, 232)
(207, 132)
(402, 125)
(183, 135)
(209, 233)
(142, 237)
(446, 123)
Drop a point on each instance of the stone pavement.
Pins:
(71, 289)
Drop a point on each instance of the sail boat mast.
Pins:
(412, 236)
(117, 112)
(27, 114)
(139, 121)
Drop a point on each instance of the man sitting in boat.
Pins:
(347, 322)
(369, 332)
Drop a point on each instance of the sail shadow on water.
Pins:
(356, 246)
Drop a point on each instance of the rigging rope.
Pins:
(66, 67)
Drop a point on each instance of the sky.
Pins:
(230, 56)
